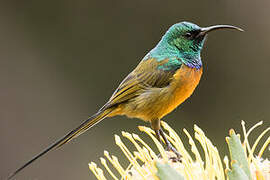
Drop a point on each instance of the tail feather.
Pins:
(87, 124)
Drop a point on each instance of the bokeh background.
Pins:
(61, 60)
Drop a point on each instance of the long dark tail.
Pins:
(90, 122)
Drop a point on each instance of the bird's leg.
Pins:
(158, 136)
(169, 145)
(156, 126)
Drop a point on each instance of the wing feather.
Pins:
(146, 75)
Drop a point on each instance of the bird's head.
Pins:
(188, 38)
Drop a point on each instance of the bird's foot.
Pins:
(178, 157)
(159, 133)
(169, 147)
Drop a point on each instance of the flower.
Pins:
(194, 165)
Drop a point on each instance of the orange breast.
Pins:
(184, 83)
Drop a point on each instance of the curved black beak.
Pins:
(206, 30)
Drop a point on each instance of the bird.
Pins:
(166, 76)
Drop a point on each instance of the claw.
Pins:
(169, 147)
(178, 155)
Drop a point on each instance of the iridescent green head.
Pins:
(185, 41)
(184, 37)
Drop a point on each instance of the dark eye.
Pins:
(188, 35)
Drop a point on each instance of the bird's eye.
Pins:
(188, 35)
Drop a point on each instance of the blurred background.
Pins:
(61, 60)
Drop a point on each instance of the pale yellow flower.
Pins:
(195, 165)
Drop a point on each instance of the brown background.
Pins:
(61, 60)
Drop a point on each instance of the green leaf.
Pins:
(237, 173)
(237, 154)
(166, 172)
